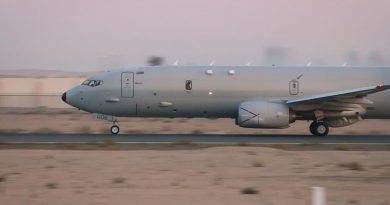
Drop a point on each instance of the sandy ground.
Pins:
(205, 176)
(184, 174)
(72, 121)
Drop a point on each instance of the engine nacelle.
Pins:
(263, 114)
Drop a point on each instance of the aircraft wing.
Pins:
(353, 95)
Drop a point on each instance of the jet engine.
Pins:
(264, 114)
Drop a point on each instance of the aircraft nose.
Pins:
(63, 97)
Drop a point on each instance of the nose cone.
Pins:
(63, 97)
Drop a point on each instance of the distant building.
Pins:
(35, 92)
(276, 56)
(353, 58)
(376, 58)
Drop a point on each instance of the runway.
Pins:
(172, 138)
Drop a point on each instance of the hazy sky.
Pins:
(94, 34)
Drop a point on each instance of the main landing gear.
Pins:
(319, 128)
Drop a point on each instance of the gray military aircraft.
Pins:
(256, 97)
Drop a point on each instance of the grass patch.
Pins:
(3, 131)
(343, 147)
(104, 130)
(106, 143)
(351, 132)
(167, 128)
(70, 146)
(258, 164)
(65, 112)
(183, 142)
(51, 185)
(197, 132)
(251, 153)
(279, 146)
(243, 144)
(211, 165)
(376, 132)
(353, 201)
(174, 184)
(84, 130)
(317, 165)
(183, 120)
(13, 131)
(118, 180)
(217, 180)
(3, 179)
(355, 166)
(49, 157)
(310, 144)
(249, 190)
(45, 130)
(134, 132)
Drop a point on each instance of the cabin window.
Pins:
(188, 84)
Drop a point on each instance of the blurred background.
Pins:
(95, 35)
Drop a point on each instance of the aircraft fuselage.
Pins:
(217, 91)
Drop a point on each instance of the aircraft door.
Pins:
(128, 85)
(294, 87)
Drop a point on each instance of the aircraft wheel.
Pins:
(313, 128)
(319, 128)
(115, 129)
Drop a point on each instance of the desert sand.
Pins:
(212, 176)
(193, 175)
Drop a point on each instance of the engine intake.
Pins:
(263, 114)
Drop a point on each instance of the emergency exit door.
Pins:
(294, 87)
(128, 85)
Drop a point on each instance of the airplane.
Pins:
(268, 97)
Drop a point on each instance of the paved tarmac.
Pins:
(171, 138)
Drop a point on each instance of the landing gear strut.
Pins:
(319, 128)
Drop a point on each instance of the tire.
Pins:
(312, 128)
(319, 128)
(115, 129)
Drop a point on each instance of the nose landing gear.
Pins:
(115, 129)
(319, 128)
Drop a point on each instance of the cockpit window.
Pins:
(85, 82)
(92, 83)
